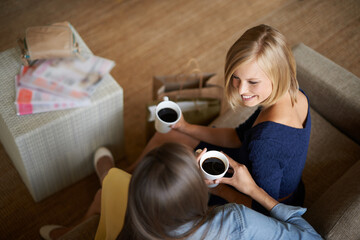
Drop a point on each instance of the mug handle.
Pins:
(166, 98)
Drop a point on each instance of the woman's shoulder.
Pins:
(226, 222)
(237, 214)
(231, 211)
(230, 214)
(286, 114)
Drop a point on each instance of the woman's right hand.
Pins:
(180, 125)
(241, 178)
(243, 182)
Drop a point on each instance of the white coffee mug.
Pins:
(210, 169)
(170, 113)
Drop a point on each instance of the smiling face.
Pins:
(251, 83)
(265, 81)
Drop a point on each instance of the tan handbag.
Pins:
(46, 42)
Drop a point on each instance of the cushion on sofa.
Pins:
(336, 214)
(334, 92)
(330, 155)
(232, 118)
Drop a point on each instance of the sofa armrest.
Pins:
(336, 214)
(232, 118)
(333, 91)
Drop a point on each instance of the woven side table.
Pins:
(55, 149)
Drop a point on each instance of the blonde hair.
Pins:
(166, 191)
(268, 47)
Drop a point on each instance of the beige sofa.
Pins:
(332, 170)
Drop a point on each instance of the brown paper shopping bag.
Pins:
(200, 102)
(191, 78)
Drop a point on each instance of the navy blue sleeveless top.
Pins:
(274, 153)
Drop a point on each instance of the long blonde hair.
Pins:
(268, 47)
(166, 191)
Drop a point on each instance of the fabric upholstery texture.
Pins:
(232, 118)
(330, 155)
(336, 214)
(338, 92)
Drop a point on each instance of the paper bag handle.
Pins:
(195, 70)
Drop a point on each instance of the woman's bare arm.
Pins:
(243, 182)
(223, 137)
(231, 195)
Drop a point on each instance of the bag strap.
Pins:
(21, 44)
(196, 71)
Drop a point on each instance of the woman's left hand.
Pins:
(199, 153)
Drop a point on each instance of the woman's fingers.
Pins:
(224, 180)
(208, 182)
(230, 170)
(180, 124)
(232, 162)
(199, 153)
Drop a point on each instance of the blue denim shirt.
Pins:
(234, 221)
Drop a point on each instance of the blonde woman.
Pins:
(260, 70)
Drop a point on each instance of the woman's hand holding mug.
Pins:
(241, 178)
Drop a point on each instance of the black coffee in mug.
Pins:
(168, 115)
(213, 166)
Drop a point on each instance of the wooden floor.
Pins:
(158, 37)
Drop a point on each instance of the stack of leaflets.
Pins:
(58, 84)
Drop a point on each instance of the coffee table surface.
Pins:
(54, 149)
(10, 63)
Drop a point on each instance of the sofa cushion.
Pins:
(330, 155)
(336, 214)
(231, 118)
(333, 91)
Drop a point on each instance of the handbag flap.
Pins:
(54, 41)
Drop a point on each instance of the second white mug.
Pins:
(214, 165)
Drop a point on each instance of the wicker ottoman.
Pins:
(53, 150)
